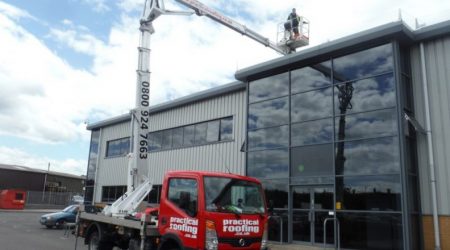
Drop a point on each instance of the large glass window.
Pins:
(364, 125)
(312, 132)
(371, 231)
(112, 193)
(312, 160)
(184, 194)
(268, 163)
(192, 135)
(311, 105)
(311, 77)
(93, 157)
(119, 147)
(276, 191)
(270, 87)
(362, 64)
(365, 95)
(343, 132)
(375, 193)
(374, 156)
(268, 138)
(268, 113)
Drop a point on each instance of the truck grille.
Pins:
(239, 242)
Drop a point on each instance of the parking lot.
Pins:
(22, 230)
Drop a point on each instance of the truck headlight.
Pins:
(211, 241)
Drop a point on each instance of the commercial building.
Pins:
(337, 133)
(32, 179)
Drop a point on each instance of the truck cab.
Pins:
(211, 210)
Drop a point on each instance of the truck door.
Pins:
(179, 209)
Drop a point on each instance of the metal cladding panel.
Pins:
(219, 156)
(111, 171)
(437, 58)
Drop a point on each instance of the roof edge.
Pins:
(182, 101)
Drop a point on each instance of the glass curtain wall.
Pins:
(92, 167)
(332, 123)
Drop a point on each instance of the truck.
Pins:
(197, 210)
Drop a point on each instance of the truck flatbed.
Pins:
(151, 230)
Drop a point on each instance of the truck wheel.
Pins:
(94, 241)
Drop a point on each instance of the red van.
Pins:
(12, 199)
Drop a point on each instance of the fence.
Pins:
(49, 198)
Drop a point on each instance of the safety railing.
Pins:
(338, 233)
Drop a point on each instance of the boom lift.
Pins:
(140, 115)
(236, 216)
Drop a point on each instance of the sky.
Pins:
(68, 63)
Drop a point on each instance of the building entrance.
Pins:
(311, 206)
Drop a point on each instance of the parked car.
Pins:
(58, 219)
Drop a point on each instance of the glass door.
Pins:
(311, 206)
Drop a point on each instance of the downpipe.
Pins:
(437, 237)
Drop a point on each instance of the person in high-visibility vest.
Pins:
(292, 22)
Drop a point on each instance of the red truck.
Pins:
(198, 210)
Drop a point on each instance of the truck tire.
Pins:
(94, 241)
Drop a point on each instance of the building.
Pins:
(31, 179)
(336, 132)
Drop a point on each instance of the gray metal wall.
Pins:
(111, 171)
(437, 58)
(211, 157)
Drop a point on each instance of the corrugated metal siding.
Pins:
(212, 157)
(111, 171)
(437, 56)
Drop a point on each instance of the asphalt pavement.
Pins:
(21, 230)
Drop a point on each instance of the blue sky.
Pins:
(66, 63)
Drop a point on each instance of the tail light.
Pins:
(264, 237)
(211, 241)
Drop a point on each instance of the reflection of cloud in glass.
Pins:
(311, 105)
(370, 94)
(308, 78)
(268, 163)
(374, 156)
(312, 132)
(268, 113)
(268, 138)
(270, 87)
(370, 124)
(365, 63)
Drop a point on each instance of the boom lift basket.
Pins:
(288, 38)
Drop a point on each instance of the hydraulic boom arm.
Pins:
(203, 10)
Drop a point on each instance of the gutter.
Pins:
(437, 236)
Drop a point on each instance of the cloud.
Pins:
(19, 157)
(13, 12)
(98, 5)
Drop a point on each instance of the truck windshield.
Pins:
(228, 195)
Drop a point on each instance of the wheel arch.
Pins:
(171, 241)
